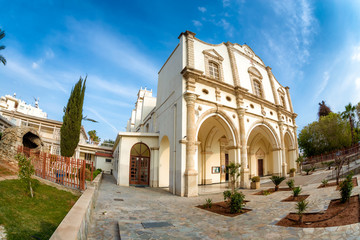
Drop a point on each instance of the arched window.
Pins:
(257, 88)
(214, 70)
(139, 164)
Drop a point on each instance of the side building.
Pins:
(17, 113)
(215, 104)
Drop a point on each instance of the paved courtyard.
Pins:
(122, 210)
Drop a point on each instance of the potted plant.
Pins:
(277, 180)
(255, 182)
(292, 172)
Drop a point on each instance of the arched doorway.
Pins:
(164, 162)
(263, 151)
(215, 149)
(139, 164)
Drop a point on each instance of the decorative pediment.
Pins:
(281, 91)
(248, 51)
(253, 71)
(213, 54)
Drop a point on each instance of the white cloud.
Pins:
(226, 3)
(228, 28)
(112, 87)
(323, 85)
(357, 83)
(115, 48)
(356, 54)
(49, 54)
(98, 116)
(197, 23)
(202, 9)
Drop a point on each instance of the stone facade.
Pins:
(13, 137)
(215, 104)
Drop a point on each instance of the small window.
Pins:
(252, 106)
(108, 160)
(228, 98)
(282, 101)
(257, 88)
(214, 70)
(205, 91)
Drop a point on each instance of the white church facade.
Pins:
(215, 104)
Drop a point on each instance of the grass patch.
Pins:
(32, 218)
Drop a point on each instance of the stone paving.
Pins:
(136, 205)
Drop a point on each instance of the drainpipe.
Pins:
(174, 142)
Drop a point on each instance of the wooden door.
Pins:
(226, 164)
(139, 165)
(260, 167)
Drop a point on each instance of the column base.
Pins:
(244, 178)
(284, 168)
(191, 186)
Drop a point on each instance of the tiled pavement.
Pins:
(136, 205)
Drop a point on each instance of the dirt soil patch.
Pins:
(332, 184)
(271, 190)
(337, 214)
(295, 199)
(223, 208)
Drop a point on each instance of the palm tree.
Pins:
(349, 113)
(277, 180)
(2, 35)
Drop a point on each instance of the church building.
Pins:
(215, 104)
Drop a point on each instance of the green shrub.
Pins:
(277, 180)
(301, 207)
(291, 183)
(227, 194)
(324, 182)
(346, 188)
(292, 170)
(296, 191)
(208, 203)
(308, 170)
(235, 201)
(96, 172)
(1, 135)
(255, 179)
(266, 192)
(26, 170)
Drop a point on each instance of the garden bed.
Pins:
(295, 199)
(332, 184)
(337, 214)
(271, 190)
(223, 208)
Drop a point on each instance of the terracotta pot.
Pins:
(255, 185)
(292, 174)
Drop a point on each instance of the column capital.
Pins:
(190, 97)
(241, 112)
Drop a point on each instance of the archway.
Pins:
(290, 152)
(164, 162)
(139, 164)
(263, 151)
(215, 149)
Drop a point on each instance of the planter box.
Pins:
(255, 185)
(292, 174)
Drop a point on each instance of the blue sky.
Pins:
(312, 46)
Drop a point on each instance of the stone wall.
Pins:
(13, 137)
(76, 223)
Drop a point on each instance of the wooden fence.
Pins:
(70, 172)
(353, 150)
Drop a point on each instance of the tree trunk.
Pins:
(276, 187)
(300, 219)
(31, 190)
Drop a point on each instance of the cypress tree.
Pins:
(70, 129)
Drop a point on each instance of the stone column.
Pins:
(288, 96)
(234, 70)
(190, 49)
(283, 155)
(244, 178)
(276, 99)
(154, 167)
(191, 187)
(277, 164)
